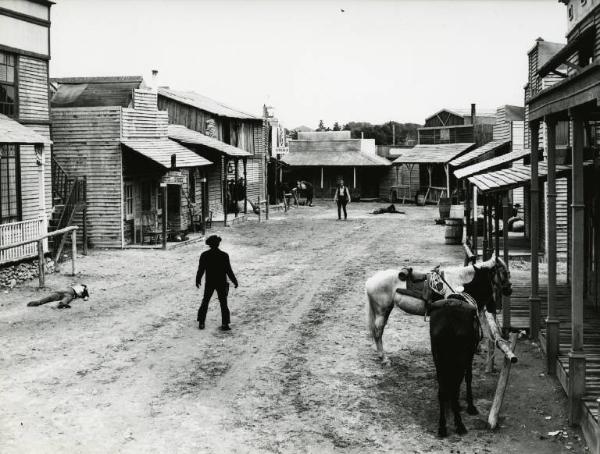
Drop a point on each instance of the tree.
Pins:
(336, 127)
(321, 126)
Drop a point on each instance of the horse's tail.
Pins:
(370, 315)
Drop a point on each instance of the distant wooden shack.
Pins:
(25, 154)
(457, 126)
(324, 158)
(109, 130)
(245, 132)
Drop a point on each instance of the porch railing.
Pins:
(61, 183)
(18, 232)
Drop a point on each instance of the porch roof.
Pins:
(432, 154)
(480, 151)
(491, 163)
(160, 151)
(190, 137)
(514, 177)
(12, 131)
(333, 159)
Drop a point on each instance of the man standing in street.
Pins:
(215, 263)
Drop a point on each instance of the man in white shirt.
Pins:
(64, 296)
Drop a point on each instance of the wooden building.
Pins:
(457, 126)
(25, 154)
(324, 158)
(565, 113)
(109, 130)
(231, 126)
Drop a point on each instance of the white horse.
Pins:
(382, 295)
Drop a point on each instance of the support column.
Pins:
(534, 299)
(354, 175)
(497, 225)
(234, 196)
(475, 221)
(447, 170)
(576, 355)
(484, 245)
(244, 161)
(506, 214)
(552, 322)
(321, 177)
(225, 198)
(467, 211)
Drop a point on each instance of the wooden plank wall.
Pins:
(33, 112)
(144, 121)
(457, 135)
(87, 143)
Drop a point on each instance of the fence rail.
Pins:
(18, 232)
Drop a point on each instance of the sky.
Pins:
(375, 61)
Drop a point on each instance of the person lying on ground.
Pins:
(64, 297)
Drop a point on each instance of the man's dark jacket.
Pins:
(216, 264)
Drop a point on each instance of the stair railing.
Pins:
(61, 183)
(74, 201)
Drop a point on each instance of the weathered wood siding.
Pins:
(399, 175)
(87, 143)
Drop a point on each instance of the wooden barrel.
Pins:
(457, 211)
(444, 206)
(454, 230)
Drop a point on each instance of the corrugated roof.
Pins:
(187, 136)
(94, 91)
(514, 177)
(431, 154)
(480, 151)
(491, 163)
(333, 159)
(12, 131)
(160, 151)
(201, 102)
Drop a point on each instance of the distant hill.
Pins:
(302, 129)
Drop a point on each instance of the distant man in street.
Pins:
(64, 297)
(215, 263)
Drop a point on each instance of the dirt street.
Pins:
(128, 371)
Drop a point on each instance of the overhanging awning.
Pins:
(190, 137)
(333, 159)
(479, 152)
(14, 132)
(161, 150)
(431, 154)
(488, 164)
(517, 176)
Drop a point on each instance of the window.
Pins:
(128, 199)
(445, 135)
(7, 85)
(9, 184)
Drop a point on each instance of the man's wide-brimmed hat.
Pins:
(213, 240)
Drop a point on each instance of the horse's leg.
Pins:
(378, 317)
(471, 409)
(442, 399)
(458, 423)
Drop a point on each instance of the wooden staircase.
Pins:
(68, 198)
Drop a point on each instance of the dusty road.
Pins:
(128, 371)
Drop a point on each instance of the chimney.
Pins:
(173, 161)
(473, 114)
(154, 81)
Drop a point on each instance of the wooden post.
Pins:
(354, 174)
(410, 169)
(234, 196)
(259, 209)
(534, 299)
(73, 251)
(164, 214)
(506, 214)
(245, 186)
(447, 170)
(266, 190)
(321, 177)
(484, 246)
(84, 234)
(475, 221)
(502, 384)
(490, 230)
(497, 225)
(225, 198)
(467, 212)
(41, 264)
(576, 356)
(552, 322)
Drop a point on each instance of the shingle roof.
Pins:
(491, 163)
(201, 102)
(431, 154)
(330, 158)
(480, 151)
(94, 91)
(14, 132)
(514, 177)
(160, 151)
(187, 136)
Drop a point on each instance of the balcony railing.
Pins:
(16, 232)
